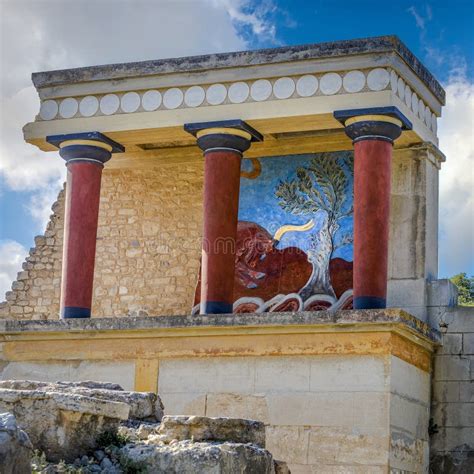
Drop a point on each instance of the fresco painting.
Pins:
(294, 247)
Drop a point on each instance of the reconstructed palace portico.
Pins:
(277, 183)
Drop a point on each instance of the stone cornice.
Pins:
(338, 49)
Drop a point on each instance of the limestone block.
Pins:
(329, 446)
(466, 391)
(15, 447)
(448, 391)
(452, 368)
(409, 416)
(211, 375)
(453, 439)
(190, 403)
(201, 428)
(407, 454)
(451, 344)
(282, 374)
(288, 442)
(468, 343)
(143, 405)
(442, 293)
(403, 293)
(188, 457)
(453, 414)
(409, 381)
(237, 406)
(348, 374)
(63, 425)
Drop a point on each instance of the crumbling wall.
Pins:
(148, 248)
(452, 423)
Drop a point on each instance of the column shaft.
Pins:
(372, 172)
(80, 236)
(221, 203)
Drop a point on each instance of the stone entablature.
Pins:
(278, 92)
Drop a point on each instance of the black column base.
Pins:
(216, 307)
(369, 302)
(74, 312)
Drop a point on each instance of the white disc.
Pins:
(151, 100)
(68, 107)
(284, 87)
(48, 109)
(109, 104)
(330, 83)
(434, 125)
(216, 94)
(194, 96)
(238, 92)
(130, 102)
(89, 106)
(173, 98)
(414, 103)
(378, 79)
(307, 85)
(408, 95)
(401, 88)
(261, 90)
(393, 81)
(354, 81)
(421, 109)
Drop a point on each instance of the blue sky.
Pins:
(41, 36)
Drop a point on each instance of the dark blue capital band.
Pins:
(216, 307)
(74, 312)
(369, 302)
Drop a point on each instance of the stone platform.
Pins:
(345, 390)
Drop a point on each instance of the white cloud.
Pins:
(457, 177)
(12, 255)
(38, 36)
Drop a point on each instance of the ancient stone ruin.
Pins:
(92, 427)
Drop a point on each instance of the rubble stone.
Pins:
(202, 428)
(15, 447)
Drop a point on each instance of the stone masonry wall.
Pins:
(148, 248)
(452, 442)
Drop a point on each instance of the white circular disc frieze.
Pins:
(151, 100)
(284, 87)
(421, 109)
(130, 102)
(307, 85)
(216, 94)
(401, 88)
(408, 95)
(261, 90)
(48, 109)
(354, 81)
(428, 116)
(194, 96)
(393, 81)
(68, 108)
(330, 83)
(414, 103)
(173, 98)
(238, 92)
(109, 104)
(434, 125)
(378, 79)
(89, 106)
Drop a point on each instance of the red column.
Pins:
(223, 144)
(221, 207)
(85, 155)
(373, 137)
(80, 236)
(372, 171)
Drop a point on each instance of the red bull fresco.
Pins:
(295, 233)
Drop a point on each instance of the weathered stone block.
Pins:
(200, 428)
(190, 457)
(237, 406)
(60, 424)
(452, 344)
(15, 447)
(452, 368)
(468, 343)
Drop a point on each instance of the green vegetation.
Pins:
(465, 288)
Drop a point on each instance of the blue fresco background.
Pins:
(259, 204)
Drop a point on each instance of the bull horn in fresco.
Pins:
(291, 228)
